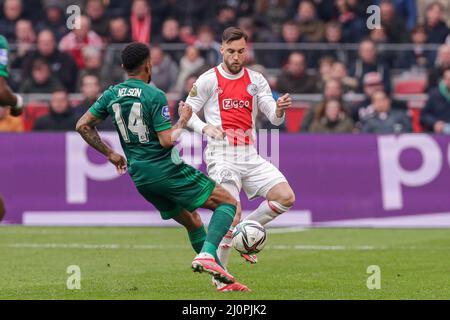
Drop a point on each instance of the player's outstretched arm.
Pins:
(86, 128)
(167, 138)
(8, 98)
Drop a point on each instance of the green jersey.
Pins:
(4, 48)
(139, 112)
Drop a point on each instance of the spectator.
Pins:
(187, 35)
(442, 63)
(436, 28)
(294, 78)
(41, 80)
(61, 116)
(290, 36)
(62, 65)
(330, 117)
(392, 23)
(326, 10)
(226, 17)
(209, 48)
(164, 70)
(119, 31)
(91, 90)
(54, 19)
(379, 35)
(95, 10)
(12, 11)
(333, 36)
(191, 63)
(9, 123)
(325, 64)
(418, 56)
(423, 4)
(339, 72)
(384, 120)
(25, 41)
(369, 61)
(353, 27)
(171, 34)
(406, 10)
(119, 34)
(435, 116)
(372, 82)
(257, 33)
(274, 13)
(140, 21)
(108, 74)
(74, 42)
(331, 91)
(310, 26)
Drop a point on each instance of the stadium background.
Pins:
(322, 52)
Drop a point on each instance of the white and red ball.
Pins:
(249, 237)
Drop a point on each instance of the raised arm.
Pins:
(86, 127)
(168, 137)
(274, 110)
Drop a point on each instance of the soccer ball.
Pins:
(249, 237)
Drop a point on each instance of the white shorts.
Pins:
(244, 167)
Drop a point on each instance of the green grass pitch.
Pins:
(154, 263)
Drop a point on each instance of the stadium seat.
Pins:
(34, 110)
(294, 117)
(414, 86)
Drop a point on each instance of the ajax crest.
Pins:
(252, 89)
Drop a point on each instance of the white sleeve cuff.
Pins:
(196, 124)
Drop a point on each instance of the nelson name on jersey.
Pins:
(129, 92)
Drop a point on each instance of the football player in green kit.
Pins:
(141, 116)
(7, 97)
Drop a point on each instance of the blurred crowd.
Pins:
(48, 57)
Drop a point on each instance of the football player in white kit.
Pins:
(231, 96)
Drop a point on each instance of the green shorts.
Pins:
(187, 189)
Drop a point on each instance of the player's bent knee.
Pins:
(284, 201)
(289, 200)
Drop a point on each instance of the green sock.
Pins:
(220, 223)
(197, 238)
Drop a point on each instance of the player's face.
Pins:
(234, 54)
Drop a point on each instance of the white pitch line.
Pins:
(93, 246)
(300, 247)
(162, 247)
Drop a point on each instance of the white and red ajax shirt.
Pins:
(232, 101)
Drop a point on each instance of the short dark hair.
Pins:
(134, 55)
(233, 33)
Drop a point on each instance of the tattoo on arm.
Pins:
(86, 128)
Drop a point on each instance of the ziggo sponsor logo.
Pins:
(231, 103)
